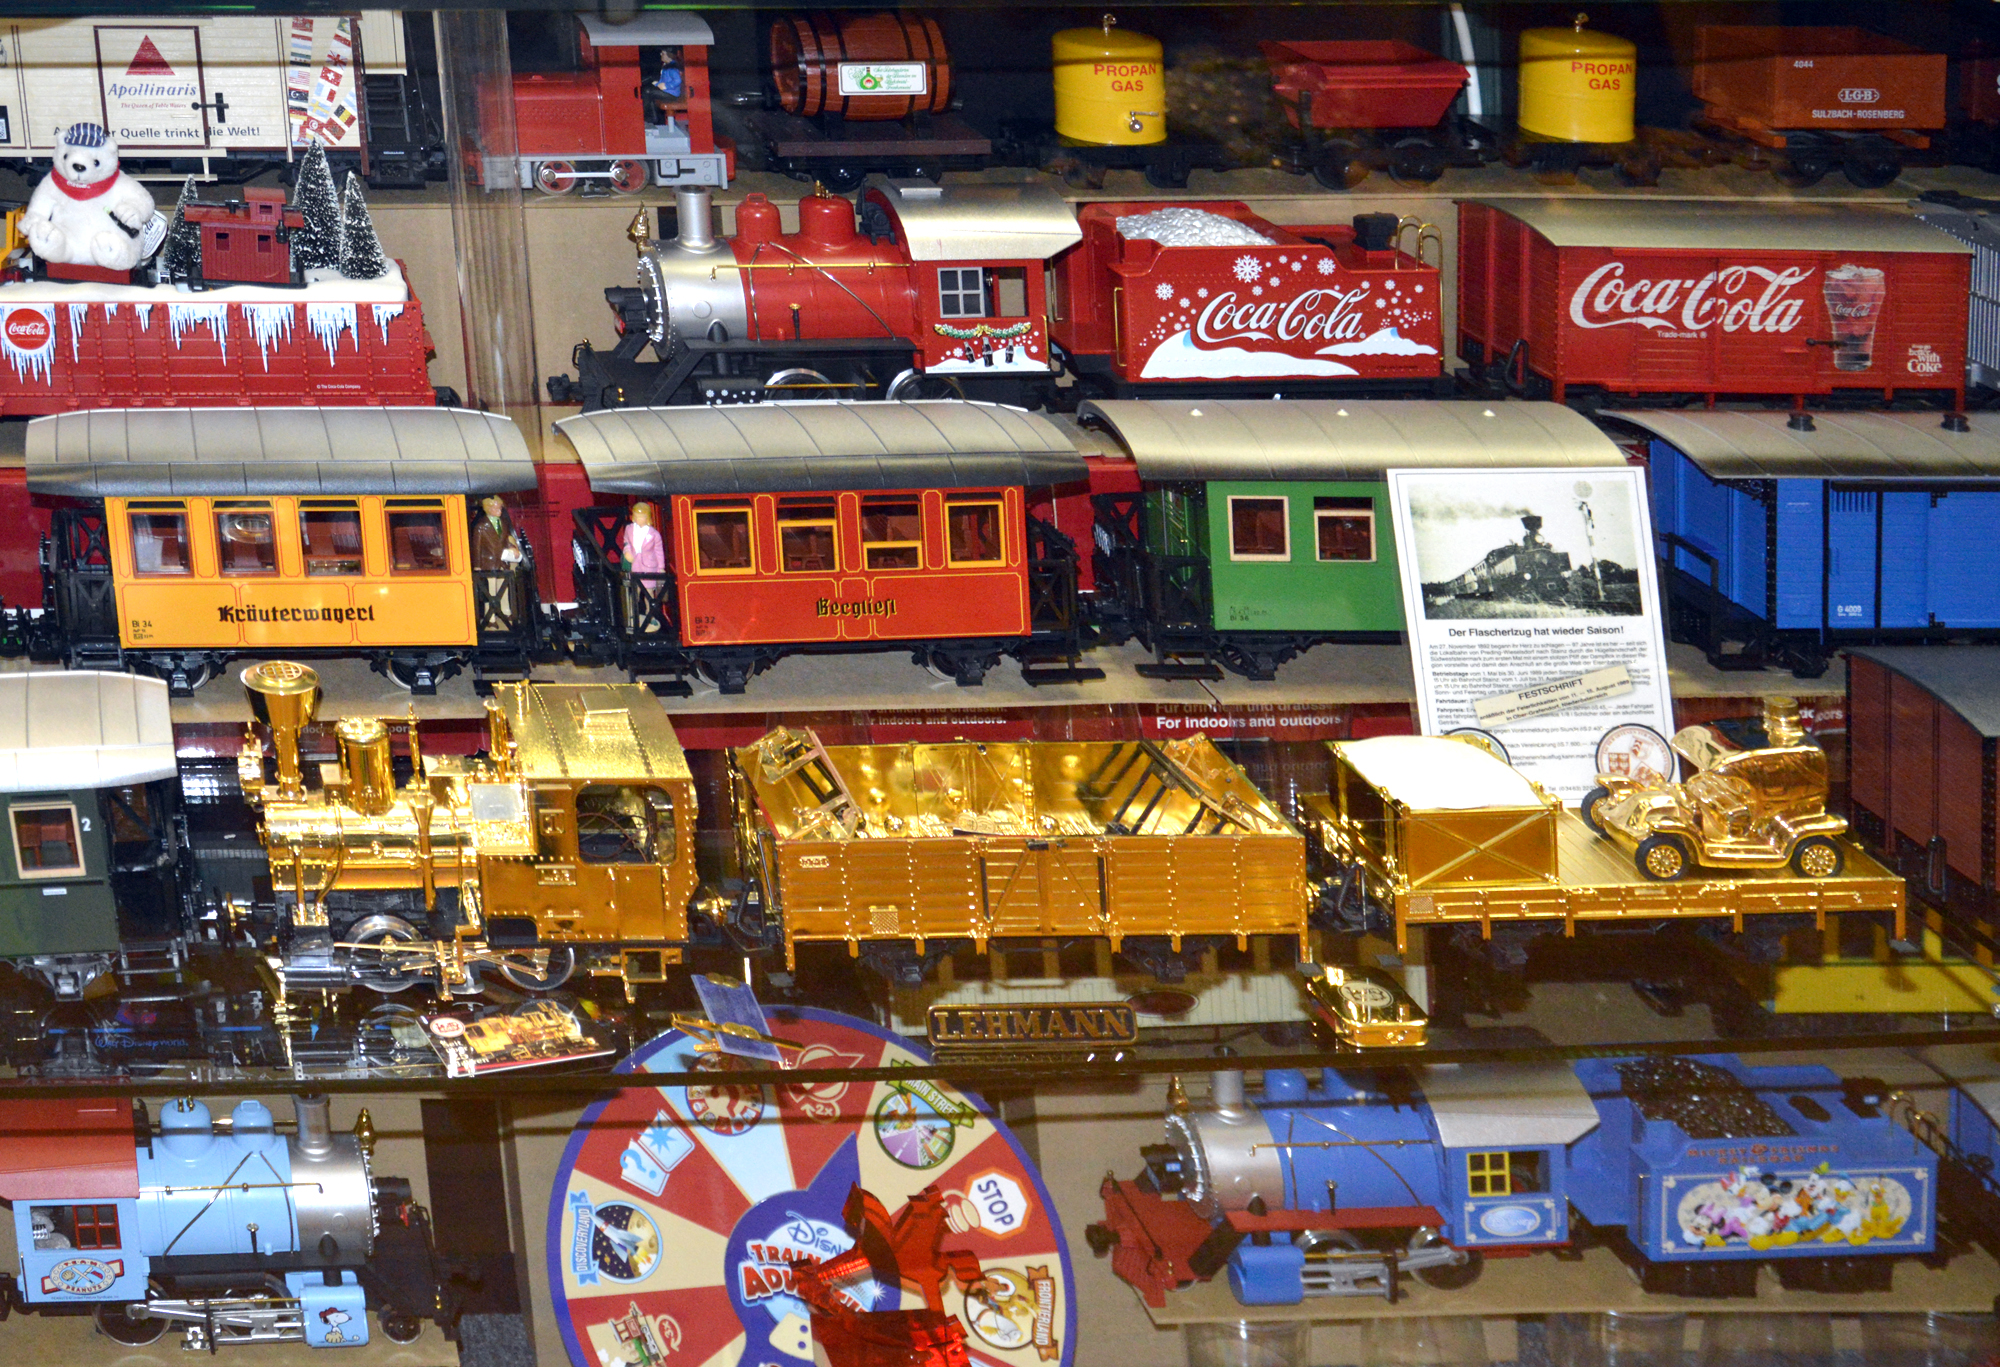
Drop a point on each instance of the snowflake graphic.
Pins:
(1274, 282)
(1248, 268)
(1324, 265)
(1163, 290)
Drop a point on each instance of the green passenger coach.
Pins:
(88, 850)
(1262, 528)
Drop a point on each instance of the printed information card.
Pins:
(1534, 618)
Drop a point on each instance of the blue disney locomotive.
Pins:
(1697, 1170)
(234, 1231)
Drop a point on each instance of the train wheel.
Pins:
(1663, 858)
(1871, 169)
(842, 180)
(131, 1324)
(555, 177)
(1336, 167)
(520, 970)
(808, 384)
(1450, 1276)
(914, 384)
(1415, 162)
(384, 930)
(1817, 857)
(628, 177)
(1802, 167)
(399, 1327)
(1588, 808)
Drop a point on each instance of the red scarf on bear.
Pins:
(75, 191)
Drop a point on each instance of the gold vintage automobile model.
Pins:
(1757, 800)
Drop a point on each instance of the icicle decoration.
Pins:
(145, 312)
(185, 318)
(77, 313)
(384, 313)
(111, 310)
(37, 359)
(328, 321)
(269, 324)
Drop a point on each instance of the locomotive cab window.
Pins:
(806, 540)
(160, 539)
(722, 540)
(45, 841)
(330, 535)
(1259, 528)
(1503, 1174)
(962, 292)
(74, 1227)
(616, 824)
(1344, 528)
(246, 540)
(972, 532)
(892, 533)
(417, 539)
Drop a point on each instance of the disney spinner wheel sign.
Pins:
(679, 1213)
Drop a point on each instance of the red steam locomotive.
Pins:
(939, 293)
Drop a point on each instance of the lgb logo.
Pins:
(1859, 94)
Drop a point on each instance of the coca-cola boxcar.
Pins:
(1578, 300)
(1157, 295)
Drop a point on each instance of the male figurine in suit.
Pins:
(496, 554)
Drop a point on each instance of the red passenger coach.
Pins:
(1577, 300)
(777, 529)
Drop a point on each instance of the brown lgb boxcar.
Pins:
(1839, 86)
(1923, 751)
(1579, 300)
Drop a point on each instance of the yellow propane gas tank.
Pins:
(1577, 85)
(1109, 88)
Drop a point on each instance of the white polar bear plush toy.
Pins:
(86, 211)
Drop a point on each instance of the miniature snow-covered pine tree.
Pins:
(180, 254)
(360, 250)
(316, 244)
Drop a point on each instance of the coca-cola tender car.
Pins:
(1757, 800)
(1581, 301)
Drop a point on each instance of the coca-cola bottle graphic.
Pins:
(1854, 296)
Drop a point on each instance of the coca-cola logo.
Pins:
(1859, 94)
(1736, 299)
(1314, 316)
(27, 329)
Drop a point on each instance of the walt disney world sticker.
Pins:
(680, 1214)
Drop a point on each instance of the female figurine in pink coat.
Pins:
(645, 553)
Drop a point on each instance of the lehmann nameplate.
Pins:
(1078, 1025)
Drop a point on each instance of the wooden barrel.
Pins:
(860, 66)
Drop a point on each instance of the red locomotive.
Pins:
(636, 110)
(1581, 301)
(939, 293)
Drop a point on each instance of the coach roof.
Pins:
(198, 452)
(1708, 225)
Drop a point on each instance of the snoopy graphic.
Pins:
(333, 1317)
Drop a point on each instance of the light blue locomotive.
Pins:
(1697, 1170)
(225, 1226)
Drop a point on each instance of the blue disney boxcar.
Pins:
(1785, 536)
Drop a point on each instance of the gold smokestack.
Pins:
(1781, 721)
(285, 697)
(364, 760)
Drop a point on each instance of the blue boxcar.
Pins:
(1789, 542)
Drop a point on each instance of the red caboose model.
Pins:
(1160, 297)
(634, 111)
(1580, 300)
(793, 528)
(248, 240)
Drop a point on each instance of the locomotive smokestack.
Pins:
(285, 697)
(1225, 1091)
(315, 1115)
(691, 207)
